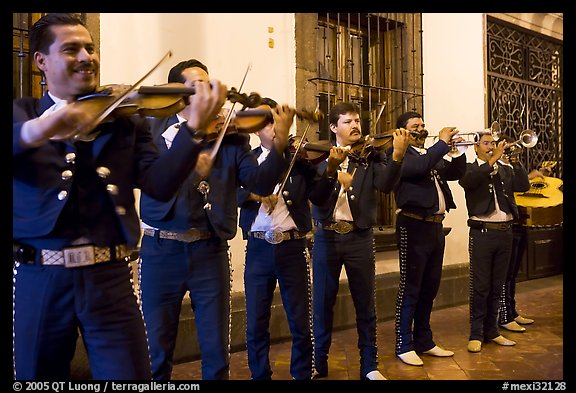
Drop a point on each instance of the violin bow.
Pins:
(380, 114)
(227, 120)
(203, 186)
(300, 144)
(121, 97)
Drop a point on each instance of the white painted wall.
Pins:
(453, 74)
(453, 55)
(453, 67)
(227, 43)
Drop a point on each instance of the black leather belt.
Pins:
(74, 256)
(484, 225)
(191, 235)
(340, 227)
(437, 218)
(277, 237)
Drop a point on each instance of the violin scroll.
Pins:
(314, 152)
(315, 116)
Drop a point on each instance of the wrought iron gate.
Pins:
(524, 72)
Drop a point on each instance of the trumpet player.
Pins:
(423, 197)
(489, 187)
(508, 316)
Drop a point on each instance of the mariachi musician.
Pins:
(489, 188)
(423, 197)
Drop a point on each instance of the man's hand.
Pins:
(205, 103)
(336, 157)
(204, 164)
(64, 123)
(345, 180)
(269, 201)
(283, 119)
(447, 133)
(498, 151)
(400, 143)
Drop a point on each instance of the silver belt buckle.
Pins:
(190, 236)
(342, 227)
(274, 237)
(79, 256)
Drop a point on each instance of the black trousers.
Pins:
(354, 251)
(285, 263)
(421, 253)
(53, 303)
(507, 312)
(489, 251)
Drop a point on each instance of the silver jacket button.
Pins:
(67, 174)
(62, 195)
(103, 172)
(70, 157)
(112, 189)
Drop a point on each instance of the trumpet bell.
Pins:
(458, 149)
(528, 138)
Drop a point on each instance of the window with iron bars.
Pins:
(371, 59)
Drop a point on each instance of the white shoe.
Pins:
(523, 321)
(411, 358)
(501, 340)
(440, 352)
(375, 376)
(474, 346)
(514, 327)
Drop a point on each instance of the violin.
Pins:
(313, 152)
(152, 101)
(241, 122)
(362, 149)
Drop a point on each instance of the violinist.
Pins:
(423, 197)
(74, 217)
(344, 237)
(185, 243)
(276, 228)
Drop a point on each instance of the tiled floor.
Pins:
(538, 354)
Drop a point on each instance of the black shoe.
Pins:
(319, 374)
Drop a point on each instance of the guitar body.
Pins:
(542, 205)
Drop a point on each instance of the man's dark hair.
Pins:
(41, 34)
(404, 117)
(342, 108)
(175, 74)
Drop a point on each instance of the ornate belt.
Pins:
(437, 218)
(191, 235)
(276, 237)
(340, 227)
(484, 225)
(85, 255)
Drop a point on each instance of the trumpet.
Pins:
(494, 130)
(528, 139)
